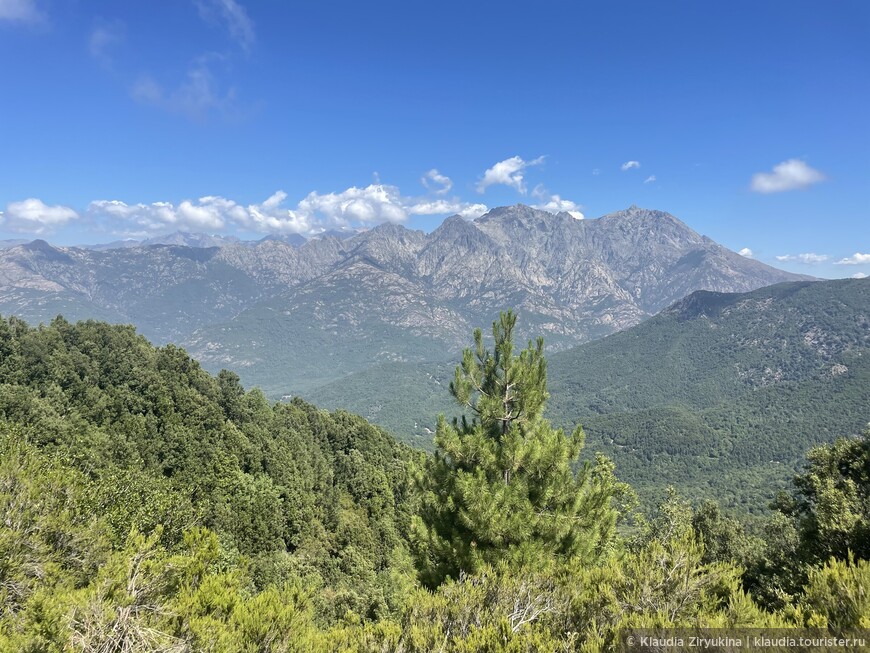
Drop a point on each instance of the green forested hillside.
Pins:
(719, 395)
(147, 506)
(159, 436)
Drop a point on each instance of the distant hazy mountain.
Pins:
(115, 244)
(341, 234)
(291, 317)
(719, 394)
(188, 239)
(182, 238)
(13, 242)
(296, 240)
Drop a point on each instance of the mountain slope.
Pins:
(733, 383)
(570, 280)
(719, 394)
(289, 316)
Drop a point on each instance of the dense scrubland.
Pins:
(146, 505)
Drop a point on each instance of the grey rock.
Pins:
(287, 314)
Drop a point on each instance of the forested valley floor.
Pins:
(146, 505)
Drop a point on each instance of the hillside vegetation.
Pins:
(719, 395)
(148, 506)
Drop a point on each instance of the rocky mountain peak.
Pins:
(520, 214)
(571, 280)
(455, 227)
(41, 250)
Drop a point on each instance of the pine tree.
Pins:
(502, 488)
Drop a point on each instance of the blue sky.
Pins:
(747, 120)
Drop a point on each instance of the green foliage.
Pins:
(720, 395)
(837, 595)
(147, 506)
(502, 487)
(831, 506)
(162, 443)
(725, 539)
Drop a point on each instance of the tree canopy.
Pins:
(506, 486)
(147, 506)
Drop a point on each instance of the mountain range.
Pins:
(292, 316)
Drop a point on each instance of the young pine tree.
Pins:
(502, 488)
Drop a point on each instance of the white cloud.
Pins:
(272, 217)
(373, 204)
(24, 11)
(147, 91)
(555, 204)
(745, 252)
(34, 216)
(649, 179)
(317, 212)
(856, 259)
(446, 207)
(808, 258)
(509, 173)
(436, 182)
(859, 275)
(198, 96)
(210, 213)
(435, 207)
(628, 165)
(233, 16)
(471, 211)
(103, 37)
(352, 208)
(788, 175)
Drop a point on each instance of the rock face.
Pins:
(292, 314)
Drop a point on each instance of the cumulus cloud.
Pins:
(856, 259)
(745, 252)
(447, 207)
(509, 172)
(808, 258)
(373, 204)
(232, 16)
(859, 275)
(628, 165)
(555, 204)
(200, 94)
(315, 213)
(649, 179)
(352, 208)
(472, 211)
(211, 213)
(23, 11)
(788, 175)
(34, 216)
(376, 203)
(272, 217)
(436, 182)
